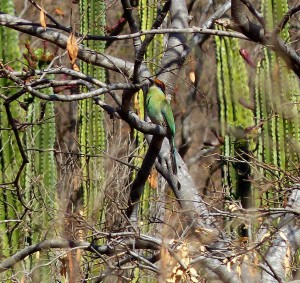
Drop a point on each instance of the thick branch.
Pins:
(172, 62)
(258, 34)
(84, 53)
(137, 187)
(45, 245)
(287, 241)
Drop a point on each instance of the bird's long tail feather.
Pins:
(173, 156)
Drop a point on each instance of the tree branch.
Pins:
(84, 53)
(286, 242)
(286, 18)
(137, 187)
(258, 34)
(208, 24)
(142, 50)
(45, 245)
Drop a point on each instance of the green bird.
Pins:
(160, 112)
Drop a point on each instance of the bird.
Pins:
(160, 112)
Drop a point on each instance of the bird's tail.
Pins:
(173, 156)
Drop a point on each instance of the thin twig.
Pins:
(286, 18)
(140, 54)
(255, 13)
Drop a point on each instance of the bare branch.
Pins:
(286, 242)
(255, 13)
(258, 34)
(286, 18)
(84, 53)
(141, 52)
(45, 245)
(208, 24)
(62, 97)
(137, 187)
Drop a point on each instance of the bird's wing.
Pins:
(168, 117)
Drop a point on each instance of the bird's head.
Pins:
(158, 83)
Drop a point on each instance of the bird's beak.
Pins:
(150, 80)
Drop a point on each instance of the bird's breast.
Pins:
(154, 111)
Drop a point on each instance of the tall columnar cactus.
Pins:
(10, 158)
(275, 109)
(91, 128)
(40, 178)
(235, 115)
(92, 136)
(277, 104)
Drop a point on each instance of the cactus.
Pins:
(92, 135)
(276, 99)
(91, 131)
(232, 83)
(275, 107)
(41, 172)
(10, 158)
(38, 180)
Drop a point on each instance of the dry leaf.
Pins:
(192, 76)
(287, 267)
(152, 179)
(202, 248)
(239, 270)
(233, 207)
(228, 265)
(72, 48)
(136, 104)
(267, 235)
(63, 271)
(43, 19)
(59, 12)
(283, 236)
(75, 67)
(276, 71)
(193, 272)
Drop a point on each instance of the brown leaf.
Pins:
(59, 12)
(192, 76)
(153, 179)
(75, 67)
(43, 19)
(63, 271)
(287, 267)
(72, 48)
(136, 104)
